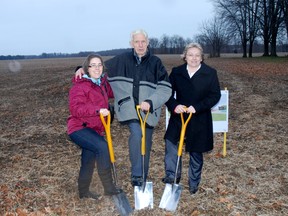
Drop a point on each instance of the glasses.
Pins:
(95, 66)
(193, 56)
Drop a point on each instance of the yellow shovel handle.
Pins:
(108, 135)
(142, 124)
(183, 130)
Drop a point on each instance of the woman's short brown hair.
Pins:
(86, 62)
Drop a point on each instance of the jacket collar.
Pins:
(140, 59)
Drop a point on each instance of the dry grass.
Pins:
(39, 165)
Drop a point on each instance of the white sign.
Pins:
(219, 114)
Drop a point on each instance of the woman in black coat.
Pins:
(196, 89)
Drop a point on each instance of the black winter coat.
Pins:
(202, 91)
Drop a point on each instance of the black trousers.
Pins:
(195, 164)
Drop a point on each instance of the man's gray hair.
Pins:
(138, 31)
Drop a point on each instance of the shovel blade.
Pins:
(122, 204)
(170, 197)
(144, 198)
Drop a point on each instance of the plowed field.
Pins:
(39, 165)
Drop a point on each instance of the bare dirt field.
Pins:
(39, 165)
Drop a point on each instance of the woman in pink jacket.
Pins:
(88, 97)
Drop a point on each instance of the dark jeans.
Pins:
(195, 164)
(134, 143)
(94, 149)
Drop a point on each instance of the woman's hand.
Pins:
(180, 109)
(104, 112)
(183, 109)
(190, 109)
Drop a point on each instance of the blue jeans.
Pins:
(195, 164)
(134, 143)
(94, 149)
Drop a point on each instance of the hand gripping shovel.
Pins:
(172, 192)
(143, 195)
(120, 199)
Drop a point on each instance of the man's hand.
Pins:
(145, 106)
(79, 73)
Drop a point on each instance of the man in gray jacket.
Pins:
(138, 78)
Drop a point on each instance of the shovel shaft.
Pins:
(142, 124)
(183, 131)
(108, 136)
(114, 174)
(143, 143)
(176, 170)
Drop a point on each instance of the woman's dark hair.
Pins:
(86, 62)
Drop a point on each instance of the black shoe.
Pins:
(193, 190)
(89, 195)
(168, 180)
(136, 181)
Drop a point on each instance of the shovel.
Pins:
(172, 192)
(143, 195)
(120, 199)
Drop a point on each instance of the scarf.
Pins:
(95, 81)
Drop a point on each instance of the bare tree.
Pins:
(187, 41)
(240, 16)
(271, 18)
(276, 20)
(164, 43)
(253, 23)
(265, 20)
(177, 44)
(153, 44)
(213, 36)
(285, 12)
(234, 16)
(168, 44)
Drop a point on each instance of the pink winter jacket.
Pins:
(85, 101)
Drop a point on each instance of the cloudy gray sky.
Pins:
(32, 27)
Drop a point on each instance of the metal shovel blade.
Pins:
(170, 197)
(144, 198)
(122, 204)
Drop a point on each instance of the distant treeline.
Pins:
(63, 55)
(258, 48)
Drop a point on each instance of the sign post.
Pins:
(220, 116)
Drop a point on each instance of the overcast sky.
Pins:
(32, 27)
